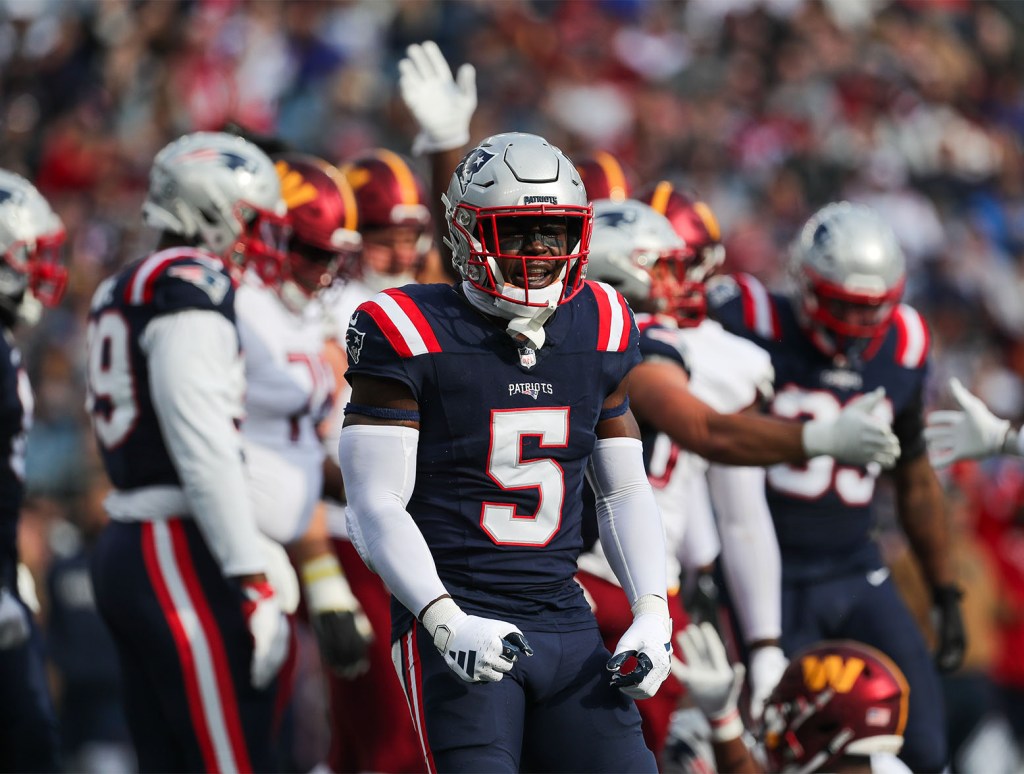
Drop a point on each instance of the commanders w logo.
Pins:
(831, 671)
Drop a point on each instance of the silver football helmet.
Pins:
(505, 194)
(220, 192)
(32, 273)
(849, 271)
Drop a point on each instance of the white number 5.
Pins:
(508, 469)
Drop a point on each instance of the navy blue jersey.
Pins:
(505, 436)
(822, 509)
(15, 418)
(124, 421)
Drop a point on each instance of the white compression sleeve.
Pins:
(629, 523)
(378, 463)
(700, 545)
(750, 551)
(196, 377)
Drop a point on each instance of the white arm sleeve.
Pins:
(378, 463)
(629, 523)
(750, 551)
(196, 377)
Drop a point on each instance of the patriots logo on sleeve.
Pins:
(354, 339)
(211, 282)
(470, 165)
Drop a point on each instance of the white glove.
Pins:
(342, 629)
(968, 434)
(476, 649)
(648, 640)
(856, 436)
(766, 667)
(711, 681)
(268, 626)
(14, 623)
(441, 105)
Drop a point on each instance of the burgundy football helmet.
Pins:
(324, 241)
(694, 222)
(393, 217)
(835, 698)
(605, 177)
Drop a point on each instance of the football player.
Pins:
(32, 275)
(289, 389)
(396, 226)
(844, 334)
(840, 706)
(637, 251)
(181, 572)
(475, 412)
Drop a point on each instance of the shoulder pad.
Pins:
(912, 337)
(614, 318)
(756, 313)
(401, 322)
(179, 278)
(665, 343)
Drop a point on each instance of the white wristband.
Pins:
(727, 727)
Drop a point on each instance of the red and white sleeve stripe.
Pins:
(613, 318)
(402, 323)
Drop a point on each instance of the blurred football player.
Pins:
(605, 177)
(289, 389)
(841, 336)
(637, 251)
(396, 227)
(181, 572)
(475, 412)
(32, 275)
(840, 706)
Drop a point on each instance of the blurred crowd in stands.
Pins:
(767, 108)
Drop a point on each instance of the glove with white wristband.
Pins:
(476, 649)
(442, 105)
(857, 436)
(969, 434)
(711, 681)
(647, 639)
(342, 629)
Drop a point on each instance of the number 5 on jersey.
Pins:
(507, 468)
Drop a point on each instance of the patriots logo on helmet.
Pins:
(230, 159)
(470, 165)
(354, 339)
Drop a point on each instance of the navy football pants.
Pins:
(851, 607)
(184, 649)
(28, 726)
(553, 712)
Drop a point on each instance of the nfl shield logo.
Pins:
(527, 357)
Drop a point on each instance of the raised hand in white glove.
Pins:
(711, 681)
(647, 639)
(342, 629)
(441, 105)
(767, 664)
(476, 649)
(857, 436)
(969, 434)
(14, 624)
(268, 626)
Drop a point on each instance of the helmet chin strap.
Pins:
(524, 321)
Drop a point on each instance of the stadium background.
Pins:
(766, 109)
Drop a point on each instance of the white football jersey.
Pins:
(289, 388)
(728, 373)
